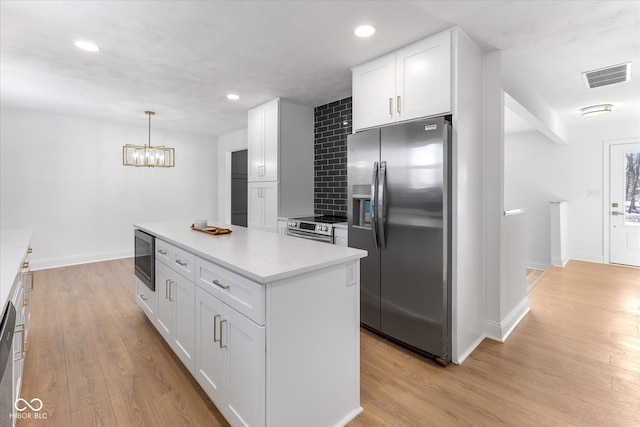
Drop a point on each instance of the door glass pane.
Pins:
(632, 187)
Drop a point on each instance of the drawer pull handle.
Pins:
(215, 328)
(182, 263)
(217, 283)
(25, 302)
(162, 252)
(25, 264)
(29, 250)
(143, 297)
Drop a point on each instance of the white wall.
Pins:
(63, 177)
(538, 171)
(227, 144)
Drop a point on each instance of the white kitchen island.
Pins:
(267, 324)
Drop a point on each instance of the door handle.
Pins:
(225, 345)
(382, 184)
(615, 213)
(373, 202)
(171, 298)
(215, 328)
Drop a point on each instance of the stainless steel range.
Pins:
(318, 228)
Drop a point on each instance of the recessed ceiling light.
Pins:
(596, 110)
(364, 31)
(233, 96)
(87, 46)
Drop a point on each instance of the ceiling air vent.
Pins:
(607, 76)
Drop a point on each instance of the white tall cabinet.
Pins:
(280, 156)
(407, 84)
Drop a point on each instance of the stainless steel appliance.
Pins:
(399, 211)
(145, 259)
(7, 327)
(318, 228)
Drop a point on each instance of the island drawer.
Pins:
(177, 259)
(242, 294)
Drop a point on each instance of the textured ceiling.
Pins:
(180, 59)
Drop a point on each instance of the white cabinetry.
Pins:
(146, 299)
(230, 360)
(19, 295)
(230, 344)
(175, 305)
(282, 224)
(262, 136)
(258, 341)
(263, 205)
(410, 83)
(340, 236)
(280, 156)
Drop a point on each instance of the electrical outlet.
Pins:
(351, 274)
(594, 193)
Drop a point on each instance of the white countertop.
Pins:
(259, 255)
(13, 247)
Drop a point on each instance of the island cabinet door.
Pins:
(182, 296)
(211, 371)
(244, 342)
(164, 319)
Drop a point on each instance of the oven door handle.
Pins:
(303, 235)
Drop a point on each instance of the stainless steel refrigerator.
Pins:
(399, 211)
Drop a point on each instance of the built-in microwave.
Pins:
(145, 260)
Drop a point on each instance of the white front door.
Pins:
(624, 204)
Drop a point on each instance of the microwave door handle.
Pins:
(373, 202)
(382, 185)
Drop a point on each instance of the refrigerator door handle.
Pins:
(373, 203)
(382, 185)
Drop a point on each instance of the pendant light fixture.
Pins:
(148, 155)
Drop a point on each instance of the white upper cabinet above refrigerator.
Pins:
(407, 84)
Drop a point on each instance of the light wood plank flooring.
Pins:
(95, 360)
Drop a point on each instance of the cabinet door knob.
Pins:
(25, 264)
(29, 250)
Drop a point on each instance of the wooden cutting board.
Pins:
(214, 231)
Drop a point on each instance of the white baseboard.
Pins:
(588, 258)
(459, 358)
(559, 262)
(79, 259)
(500, 332)
(536, 265)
